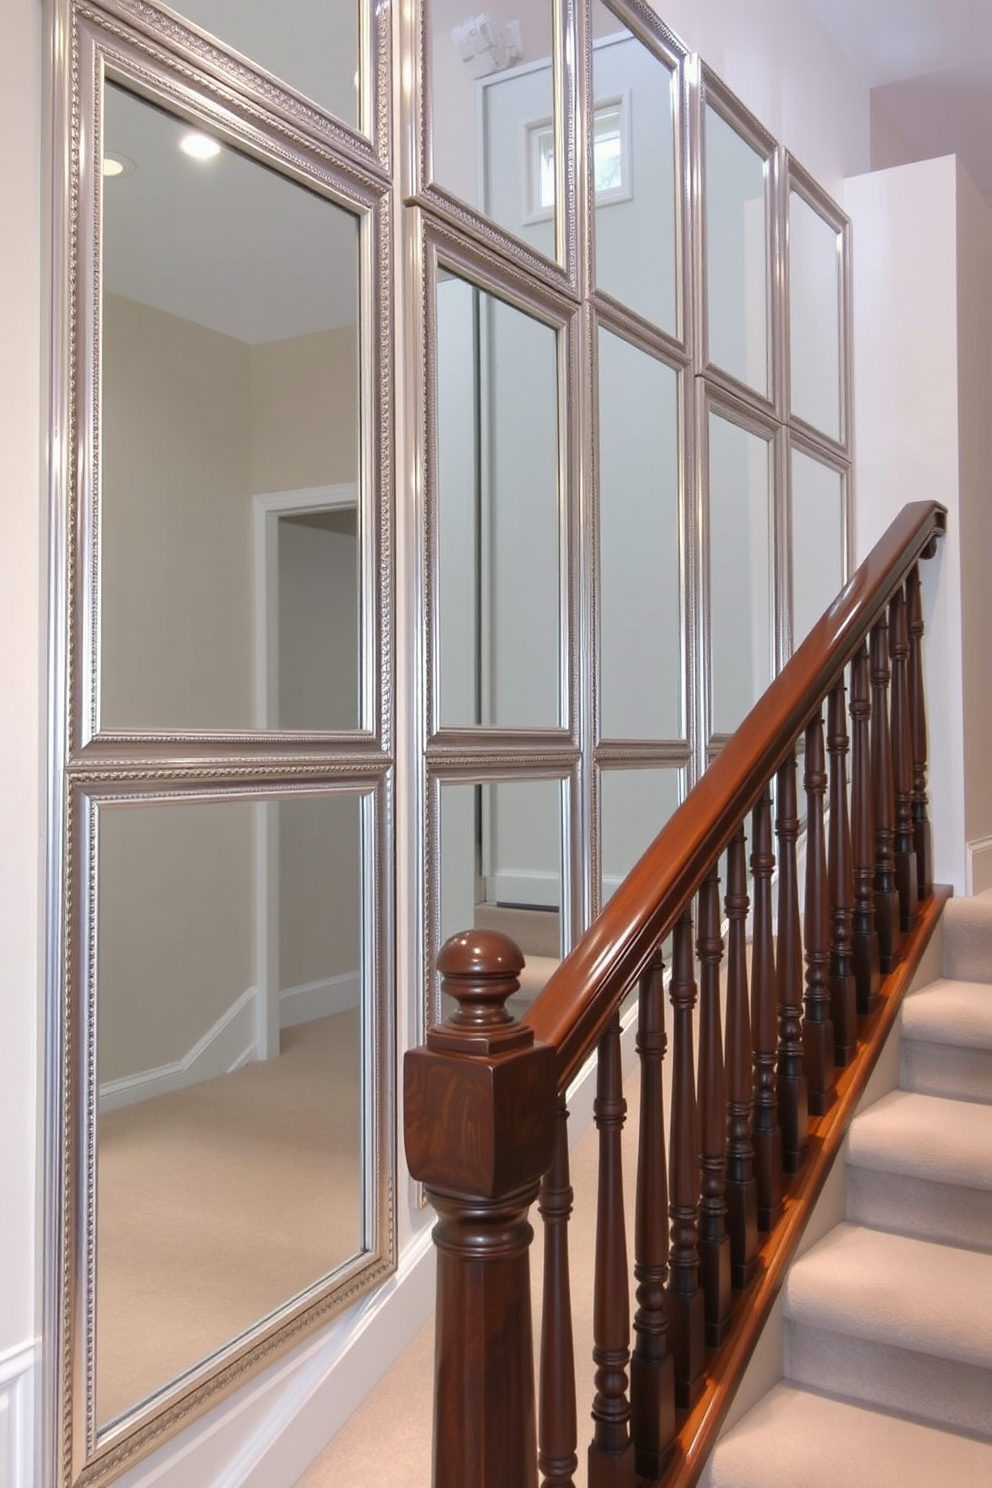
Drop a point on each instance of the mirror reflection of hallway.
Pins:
(231, 937)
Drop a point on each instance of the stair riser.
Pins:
(947, 1070)
(943, 1392)
(946, 1213)
(968, 941)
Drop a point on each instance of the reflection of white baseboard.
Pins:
(17, 1384)
(512, 886)
(336, 994)
(979, 866)
(229, 1044)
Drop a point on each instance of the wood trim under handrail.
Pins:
(583, 993)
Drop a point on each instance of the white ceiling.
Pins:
(931, 64)
(226, 243)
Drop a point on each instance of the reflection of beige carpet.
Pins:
(219, 1202)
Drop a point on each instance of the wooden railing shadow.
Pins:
(720, 1209)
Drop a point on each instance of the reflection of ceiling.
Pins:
(930, 63)
(226, 243)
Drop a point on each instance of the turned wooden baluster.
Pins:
(886, 893)
(843, 988)
(922, 836)
(764, 1023)
(611, 1451)
(482, 1084)
(864, 935)
(686, 1313)
(793, 1105)
(818, 1028)
(903, 841)
(742, 1193)
(652, 1368)
(556, 1418)
(714, 1242)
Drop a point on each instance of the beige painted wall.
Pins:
(194, 422)
(319, 901)
(304, 411)
(176, 946)
(176, 565)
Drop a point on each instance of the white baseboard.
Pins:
(229, 1044)
(337, 994)
(510, 887)
(18, 1368)
(978, 866)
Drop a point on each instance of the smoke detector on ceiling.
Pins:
(487, 45)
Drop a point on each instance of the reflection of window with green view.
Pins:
(610, 155)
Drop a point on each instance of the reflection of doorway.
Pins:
(306, 681)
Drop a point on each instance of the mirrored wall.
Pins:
(492, 370)
(222, 1171)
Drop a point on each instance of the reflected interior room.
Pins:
(230, 968)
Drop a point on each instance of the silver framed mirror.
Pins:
(738, 273)
(222, 817)
(816, 266)
(324, 71)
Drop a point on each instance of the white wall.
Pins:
(906, 382)
(21, 764)
(781, 63)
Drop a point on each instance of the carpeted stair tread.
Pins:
(950, 1011)
(968, 938)
(794, 1437)
(925, 1136)
(896, 1290)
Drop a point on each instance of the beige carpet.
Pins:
(218, 1203)
(387, 1442)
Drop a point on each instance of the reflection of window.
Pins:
(610, 159)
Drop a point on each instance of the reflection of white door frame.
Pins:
(267, 511)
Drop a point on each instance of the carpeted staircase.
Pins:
(888, 1318)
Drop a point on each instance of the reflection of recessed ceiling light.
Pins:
(117, 165)
(199, 146)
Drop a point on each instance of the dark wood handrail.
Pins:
(585, 991)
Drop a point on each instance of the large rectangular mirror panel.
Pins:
(235, 1005)
(816, 328)
(640, 532)
(230, 387)
(501, 866)
(819, 539)
(317, 50)
(493, 131)
(634, 805)
(740, 594)
(736, 183)
(635, 171)
(499, 535)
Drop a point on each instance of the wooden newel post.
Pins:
(480, 1110)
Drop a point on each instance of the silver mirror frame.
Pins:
(149, 70)
(442, 249)
(798, 439)
(152, 53)
(797, 180)
(561, 272)
(271, 97)
(710, 90)
(713, 399)
(609, 750)
(646, 26)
